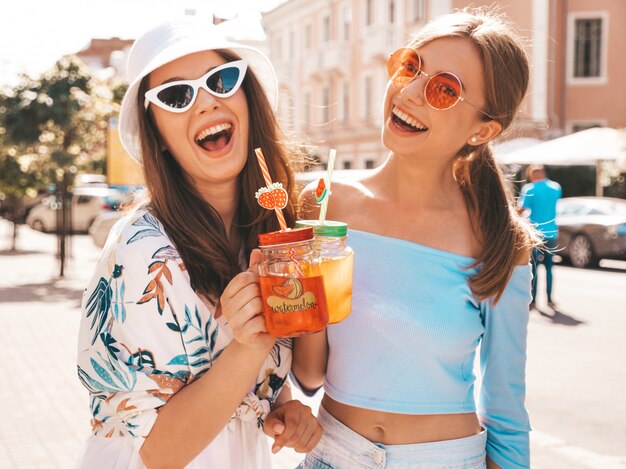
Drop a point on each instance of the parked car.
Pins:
(590, 229)
(87, 204)
(101, 226)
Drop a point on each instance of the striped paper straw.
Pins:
(268, 182)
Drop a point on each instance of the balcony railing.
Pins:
(379, 42)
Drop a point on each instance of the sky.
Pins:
(36, 33)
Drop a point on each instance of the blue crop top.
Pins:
(409, 344)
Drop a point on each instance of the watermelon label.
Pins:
(291, 294)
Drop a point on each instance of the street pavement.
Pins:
(576, 369)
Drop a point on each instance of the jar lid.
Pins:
(292, 235)
(335, 229)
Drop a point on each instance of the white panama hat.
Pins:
(169, 41)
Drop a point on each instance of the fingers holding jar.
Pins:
(243, 309)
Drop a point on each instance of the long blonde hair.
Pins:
(503, 235)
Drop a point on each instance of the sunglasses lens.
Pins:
(176, 96)
(443, 91)
(403, 66)
(223, 81)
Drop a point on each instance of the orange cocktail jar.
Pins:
(337, 265)
(291, 283)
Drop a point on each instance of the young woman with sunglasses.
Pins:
(441, 267)
(173, 348)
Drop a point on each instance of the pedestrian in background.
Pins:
(173, 347)
(539, 197)
(441, 267)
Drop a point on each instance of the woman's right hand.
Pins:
(242, 307)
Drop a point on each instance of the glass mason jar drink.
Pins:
(291, 283)
(337, 265)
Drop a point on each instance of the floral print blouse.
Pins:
(145, 333)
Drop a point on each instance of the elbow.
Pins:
(309, 381)
(152, 458)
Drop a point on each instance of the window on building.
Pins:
(392, 11)
(347, 165)
(278, 44)
(369, 164)
(346, 102)
(367, 98)
(418, 10)
(347, 20)
(308, 36)
(325, 105)
(307, 109)
(326, 28)
(587, 47)
(369, 12)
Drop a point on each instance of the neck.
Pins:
(429, 184)
(224, 198)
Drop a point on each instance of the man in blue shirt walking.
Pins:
(539, 197)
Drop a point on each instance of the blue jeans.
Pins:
(543, 255)
(342, 448)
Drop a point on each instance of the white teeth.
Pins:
(408, 119)
(212, 131)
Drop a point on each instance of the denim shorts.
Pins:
(342, 448)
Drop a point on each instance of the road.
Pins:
(576, 362)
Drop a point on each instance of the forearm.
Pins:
(310, 357)
(193, 417)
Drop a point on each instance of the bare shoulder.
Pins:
(344, 193)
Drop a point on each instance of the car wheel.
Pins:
(581, 252)
(38, 225)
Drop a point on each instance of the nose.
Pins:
(413, 91)
(206, 102)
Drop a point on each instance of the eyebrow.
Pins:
(169, 80)
(422, 63)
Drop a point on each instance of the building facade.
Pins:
(330, 58)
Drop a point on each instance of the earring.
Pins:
(473, 139)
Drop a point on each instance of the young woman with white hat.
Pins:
(173, 348)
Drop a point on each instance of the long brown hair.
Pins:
(505, 238)
(193, 225)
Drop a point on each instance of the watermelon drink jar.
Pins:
(292, 289)
(337, 264)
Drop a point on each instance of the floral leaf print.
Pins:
(166, 252)
(141, 358)
(98, 304)
(155, 289)
(123, 406)
(113, 382)
(109, 342)
(179, 360)
(167, 382)
(117, 270)
(153, 228)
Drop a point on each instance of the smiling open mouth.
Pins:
(215, 138)
(406, 122)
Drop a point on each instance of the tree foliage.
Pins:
(50, 125)
(54, 122)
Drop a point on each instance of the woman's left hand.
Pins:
(293, 425)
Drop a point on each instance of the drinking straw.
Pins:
(268, 181)
(329, 175)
